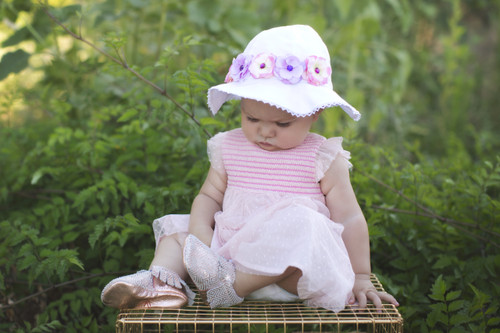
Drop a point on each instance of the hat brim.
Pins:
(301, 99)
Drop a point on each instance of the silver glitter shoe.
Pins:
(211, 273)
(158, 287)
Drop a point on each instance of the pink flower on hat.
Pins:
(317, 71)
(289, 69)
(262, 66)
(239, 68)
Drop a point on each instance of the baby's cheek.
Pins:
(292, 140)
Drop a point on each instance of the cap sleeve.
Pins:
(329, 150)
(214, 150)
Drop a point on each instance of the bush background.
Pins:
(90, 154)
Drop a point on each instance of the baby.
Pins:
(276, 218)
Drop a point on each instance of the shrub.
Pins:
(105, 130)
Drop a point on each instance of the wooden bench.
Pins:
(259, 316)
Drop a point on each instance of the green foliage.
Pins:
(434, 222)
(53, 326)
(98, 142)
(13, 62)
(455, 314)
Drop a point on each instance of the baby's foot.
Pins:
(141, 288)
(211, 273)
(174, 298)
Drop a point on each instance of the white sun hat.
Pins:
(287, 67)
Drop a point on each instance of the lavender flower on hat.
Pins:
(239, 68)
(289, 69)
(318, 70)
(262, 66)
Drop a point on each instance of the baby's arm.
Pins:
(206, 204)
(344, 208)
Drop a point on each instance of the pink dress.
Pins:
(274, 216)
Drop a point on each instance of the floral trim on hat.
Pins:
(289, 69)
(317, 70)
(239, 68)
(262, 66)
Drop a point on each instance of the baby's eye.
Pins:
(283, 124)
(252, 120)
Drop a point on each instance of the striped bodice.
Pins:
(286, 171)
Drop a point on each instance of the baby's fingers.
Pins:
(374, 297)
(389, 299)
(361, 297)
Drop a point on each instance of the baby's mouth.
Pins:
(265, 145)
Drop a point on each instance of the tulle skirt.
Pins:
(289, 232)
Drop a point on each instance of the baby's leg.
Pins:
(161, 286)
(224, 285)
(168, 254)
(245, 283)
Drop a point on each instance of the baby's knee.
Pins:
(180, 238)
(174, 239)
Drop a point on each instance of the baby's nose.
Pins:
(267, 130)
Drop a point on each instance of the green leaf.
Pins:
(149, 209)
(94, 237)
(459, 330)
(436, 316)
(17, 37)
(83, 196)
(456, 305)
(28, 261)
(36, 176)
(75, 305)
(439, 307)
(452, 295)
(491, 310)
(442, 262)
(123, 189)
(438, 289)
(131, 219)
(13, 62)
(128, 115)
(211, 121)
(494, 321)
(152, 165)
(70, 236)
(140, 198)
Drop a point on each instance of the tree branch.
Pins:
(427, 212)
(125, 65)
(417, 213)
(60, 285)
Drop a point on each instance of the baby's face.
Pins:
(272, 128)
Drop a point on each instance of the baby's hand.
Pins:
(364, 290)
